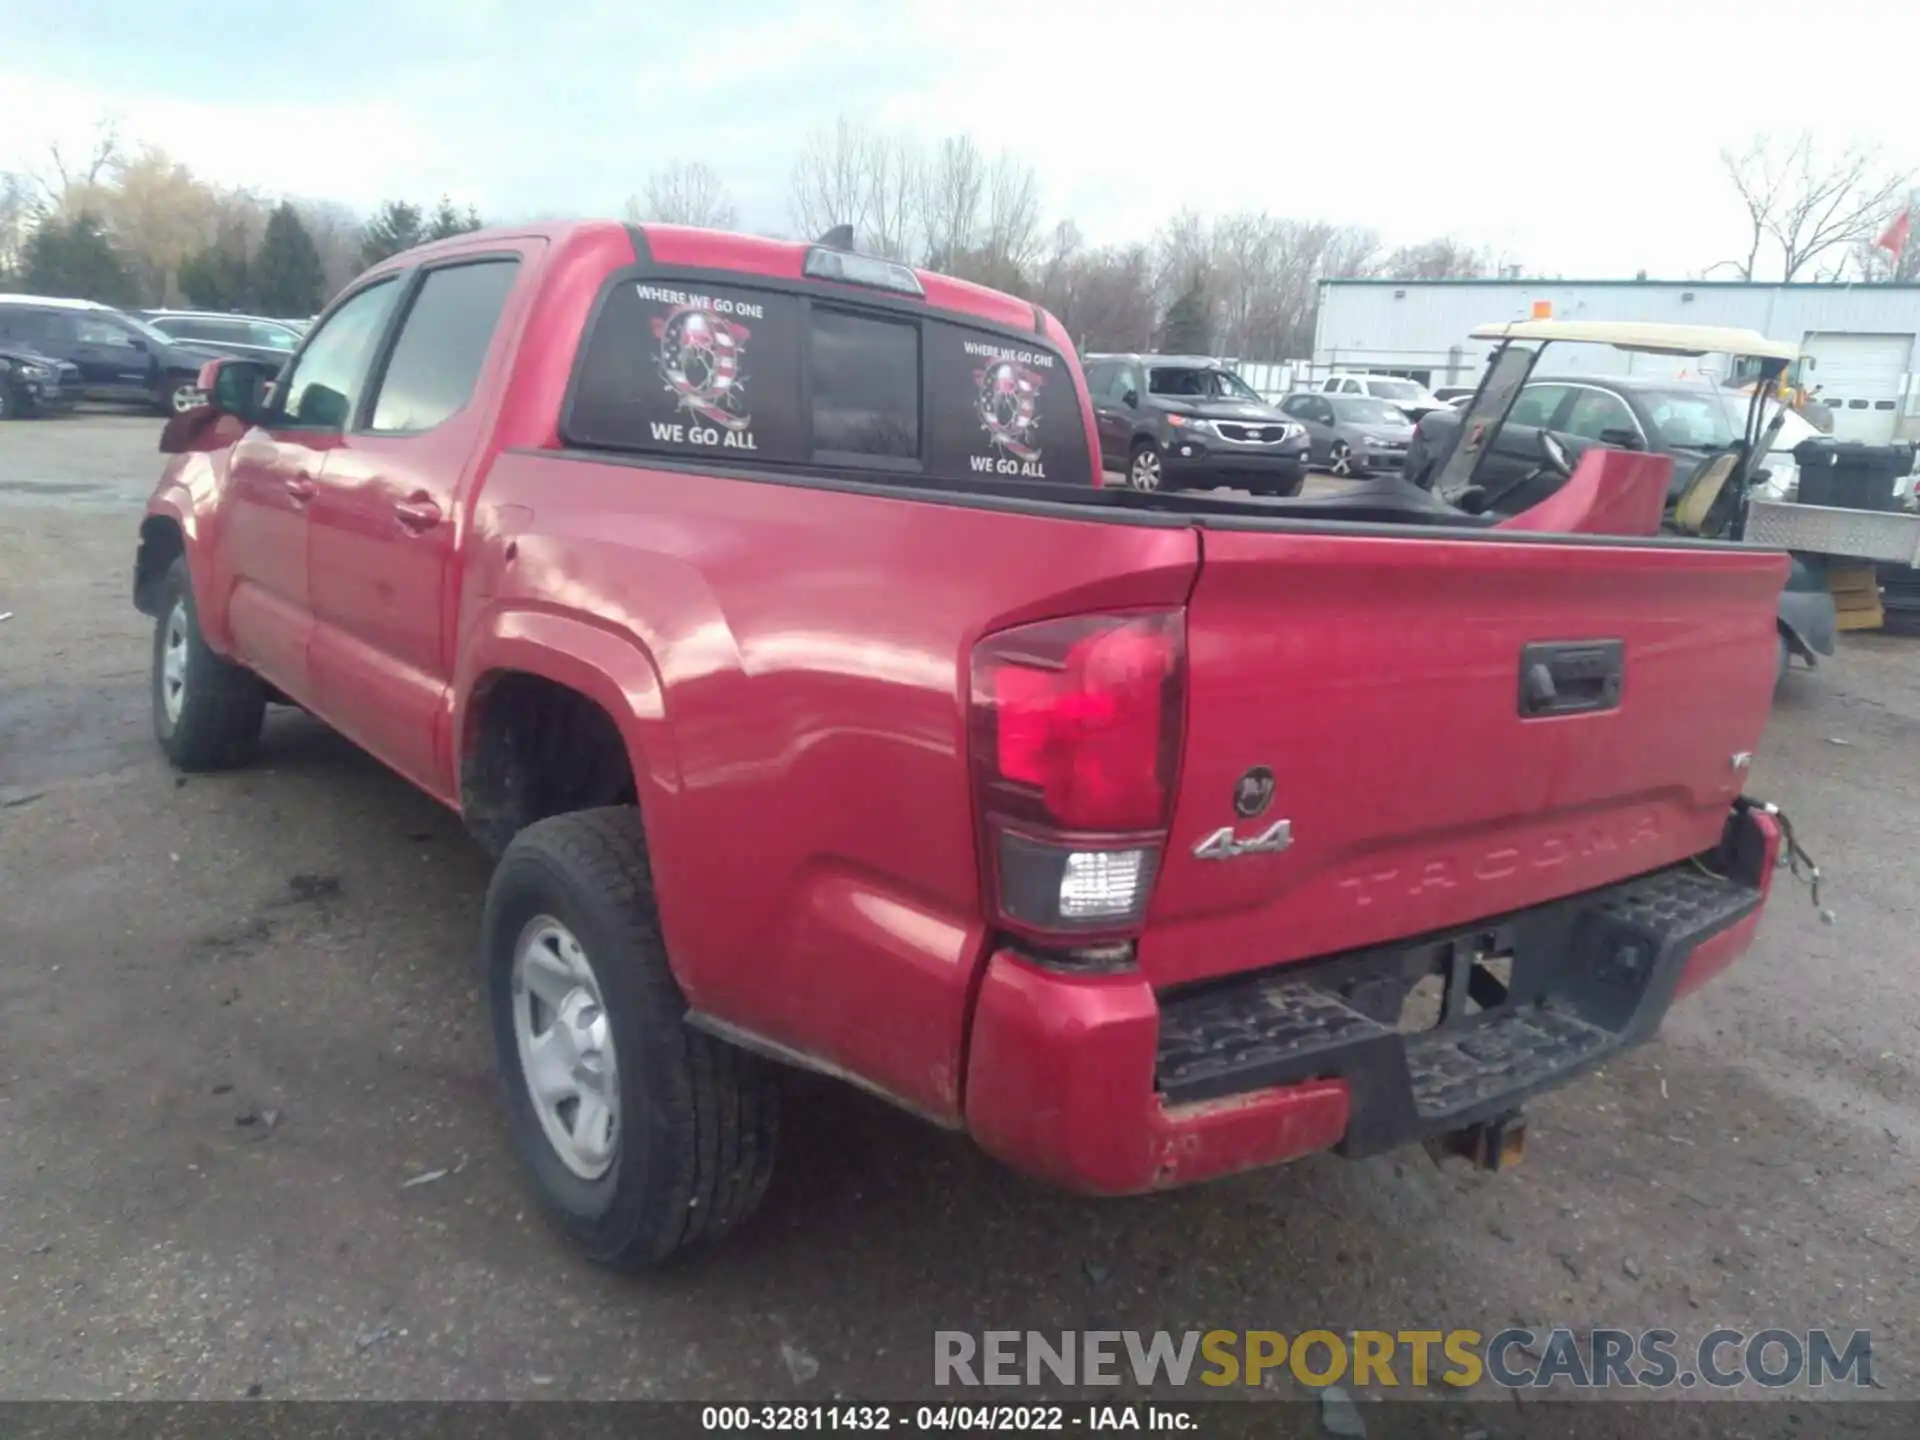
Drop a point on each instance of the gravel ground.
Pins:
(238, 1015)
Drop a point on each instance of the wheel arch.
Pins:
(540, 658)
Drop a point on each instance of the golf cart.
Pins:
(1706, 498)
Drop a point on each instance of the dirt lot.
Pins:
(238, 1015)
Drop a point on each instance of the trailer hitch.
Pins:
(1496, 1144)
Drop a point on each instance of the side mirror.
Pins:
(1131, 399)
(1555, 454)
(236, 388)
(136, 343)
(1622, 439)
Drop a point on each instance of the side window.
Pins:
(443, 342)
(1536, 405)
(319, 392)
(1100, 379)
(104, 332)
(1351, 387)
(866, 385)
(1595, 411)
(19, 323)
(1130, 383)
(271, 337)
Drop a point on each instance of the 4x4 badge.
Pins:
(1223, 844)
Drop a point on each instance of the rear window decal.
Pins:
(703, 364)
(1007, 390)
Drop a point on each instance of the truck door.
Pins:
(273, 476)
(386, 523)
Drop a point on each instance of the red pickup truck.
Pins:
(760, 606)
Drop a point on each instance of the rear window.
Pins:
(743, 375)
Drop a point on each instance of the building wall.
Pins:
(1423, 325)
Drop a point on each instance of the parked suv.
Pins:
(1177, 421)
(34, 384)
(1409, 397)
(118, 357)
(246, 337)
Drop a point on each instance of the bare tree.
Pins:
(1444, 258)
(1807, 203)
(686, 193)
(833, 178)
(894, 188)
(335, 231)
(73, 177)
(952, 187)
(18, 211)
(1012, 220)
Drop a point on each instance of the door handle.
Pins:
(301, 487)
(417, 512)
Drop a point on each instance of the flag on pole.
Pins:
(1894, 238)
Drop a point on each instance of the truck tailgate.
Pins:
(1381, 681)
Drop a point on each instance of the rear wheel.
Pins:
(206, 710)
(178, 396)
(643, 1136)
(1143, 467)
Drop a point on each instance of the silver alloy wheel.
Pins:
(173, 663)
(566, 1047)
(185, 397)
(1340, 460)
(1144, 473)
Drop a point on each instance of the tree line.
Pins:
(133, 226)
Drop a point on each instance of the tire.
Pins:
(10, 407)
(1340, 461)
(689, 1148)
(1144, 470)
(178, 396)
(206, 710)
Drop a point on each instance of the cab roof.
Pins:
(1655, 339)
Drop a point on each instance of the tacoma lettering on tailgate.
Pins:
(1545, 852)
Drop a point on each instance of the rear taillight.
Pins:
(1075, 732)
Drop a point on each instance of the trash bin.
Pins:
(1850, 475)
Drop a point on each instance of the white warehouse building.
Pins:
(1858, 341)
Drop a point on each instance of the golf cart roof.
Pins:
(1643, 335)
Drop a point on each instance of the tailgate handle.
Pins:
(1572, 678)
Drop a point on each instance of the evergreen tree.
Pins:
(219, 277)
(395, 226)
(1189, 328)
(288, 279)
(75, 259)
(448, 222)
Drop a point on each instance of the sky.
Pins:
(1580, 142)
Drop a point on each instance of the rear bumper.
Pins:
(1099, 1085)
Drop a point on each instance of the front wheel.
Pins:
(1340, 460)
(1144, 471)
(643, 1136)
(10, 407)
(207, 711)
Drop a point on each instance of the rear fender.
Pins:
(616, 673)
